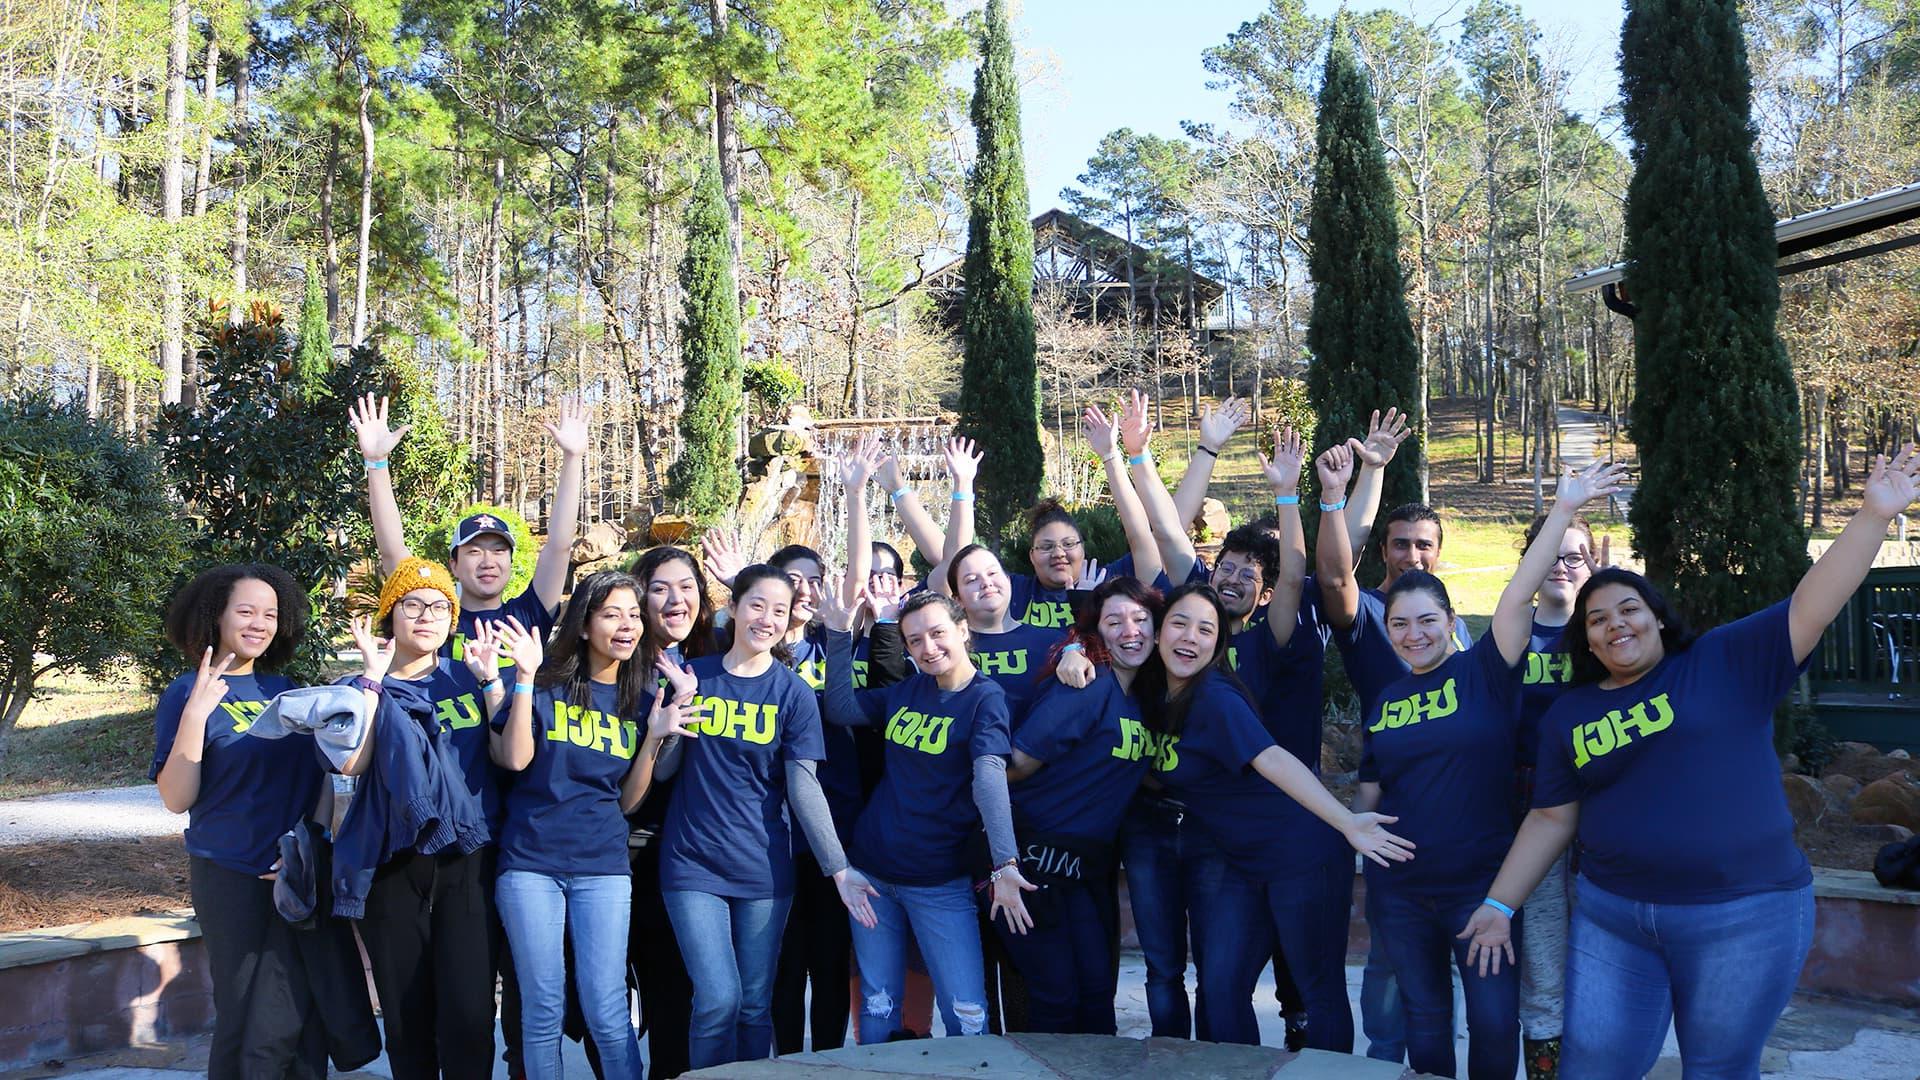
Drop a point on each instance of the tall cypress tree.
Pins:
(1715, 416)
(705, 482)
(313, 354)
(1364, 353)
(999, 396)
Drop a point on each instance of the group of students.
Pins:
(736, 808)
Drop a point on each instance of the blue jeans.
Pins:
(1382, 1014)
(1068, 963)
(732, 949)
(945, 923)
(539, 911)
(1161, 872)
(1306, 916)
(1417, 934)
(1722, 973)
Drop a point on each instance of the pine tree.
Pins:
(1715, 417)
(705, 482)
(999, 397)
(1364, 355)
(313, 356)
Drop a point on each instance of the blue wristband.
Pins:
(895, 495)
(381, 464)
(1138, 459)
(962, 496)
(1286, 500)
(1498, 906)
(1072, 646)
(523, 688)
(1330, 508)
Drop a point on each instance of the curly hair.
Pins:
(192, 623)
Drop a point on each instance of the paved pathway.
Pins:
(1818, 1039)
(102, 814)
(1583, 441)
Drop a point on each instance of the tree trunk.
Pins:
(496, 358)
(726, 141)
(209, 88)
(242, 130)
(174, 310)
(855, 395)
(1820, 458)
(331, 269)
(366, 218)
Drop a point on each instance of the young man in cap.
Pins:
(481, 556)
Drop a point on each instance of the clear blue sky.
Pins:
(1095, 65)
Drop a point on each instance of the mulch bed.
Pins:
(54, 884)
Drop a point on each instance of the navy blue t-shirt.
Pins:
(563, 810)
(727, 827)
(449, 705)
(839, 772)
(1368, 653)
(1678, 786)
(1287, 684)
(914, 830)
(1548, 671)
(1015, 660)
(1440, 745)
(1096, 751)
(251, 790)
(526, 607)
(1048, 609)
(1208, 766)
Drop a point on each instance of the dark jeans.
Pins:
(817, 948)
(429, 932)
(1159, 885)
(659, 971)
(1067, 963)
(1382, 1014)
(1418, 935)
(267, 1021)
(1240, 924)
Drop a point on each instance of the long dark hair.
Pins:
(1086, 625)
(1675, 635)
(1165, 712)
(1419, 581)
(192, 624)
(699, 640)
(566, 663)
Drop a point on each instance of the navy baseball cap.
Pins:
(480, 525)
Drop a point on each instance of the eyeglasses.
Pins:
(1227, 572)
(414, 609)
(1049, 547)
(1572, 560)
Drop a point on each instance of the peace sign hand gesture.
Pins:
(209, 686)
(376, 653)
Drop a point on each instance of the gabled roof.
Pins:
(1074, 253)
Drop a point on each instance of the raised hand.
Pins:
(1384, 436)
(672, 717)
(854, 889)
(1090, 576)
(858, 463)
(1599, 480)
(883, 600)
(1283, 468)
(1489, 935)
(1136, 423)
(835, 610)
(1335, 468)
(679, 678)
(1007, 887)
(888, 473)
(963, 462)
(570, 431)
(1893, 484)
(724, 558)
(376, 653)
(209, 686)
(369, 419)
(1369, 837)
(1218, 423)
(522, 646)
(482, 652)
(1098, 428)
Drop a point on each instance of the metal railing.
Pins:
(1875, 643)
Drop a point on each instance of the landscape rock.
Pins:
(1900, 754)
(1883, 834)
(1864, 762)
(1790, 763)
(1890, 800)
(1842, 786)
(602, 540)
(1807, 801)
(1214, 522)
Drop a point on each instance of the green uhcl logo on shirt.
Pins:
(749, 721)
(244, 713)
(1616, 729)
(1547, 669)
(1008, 662)
(591, 729)
(1137, 742)
(1427, 705)
(1048, 614)
(916, 730)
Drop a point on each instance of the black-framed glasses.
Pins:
(1049, 547)
(414, 609)
(1572, 560)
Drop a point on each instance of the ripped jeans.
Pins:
(943, 919)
